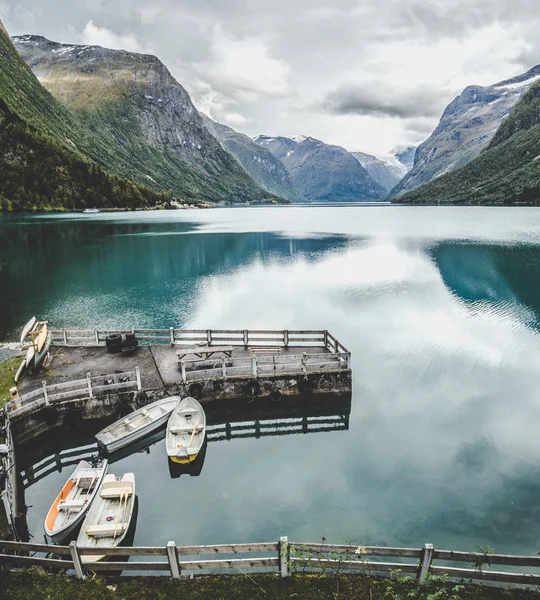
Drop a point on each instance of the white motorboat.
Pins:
(74, 500)
(137, 425)
(186, 430)
(108, 520)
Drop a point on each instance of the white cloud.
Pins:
(101, 36)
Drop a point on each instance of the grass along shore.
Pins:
(35, 584)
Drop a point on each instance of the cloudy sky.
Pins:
(370, 75)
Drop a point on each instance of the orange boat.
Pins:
(72, 503)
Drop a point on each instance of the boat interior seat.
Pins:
(144, 412)
(106, 529)
(68, 504)
(131, 425)
(185, 428)
(115, 489)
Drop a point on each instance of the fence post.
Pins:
(336, 346)
(326, 338)
(45, 395)
(253, 364)
(171, 332)
(245, 338)
(209, 336)
(76, 558)
(286, 338)
(283, 556)
(173, 560)
(304, 362)
(425, 562)
(7, 507)
(138, 375)
(96, 335)
(223, 368)
(89, 381)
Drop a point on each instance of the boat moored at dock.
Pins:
(186, 430)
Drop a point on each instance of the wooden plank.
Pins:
(51, 389)
(28, 547)
(227, 549)
(128, 566)
(114, 386)
(80, 393)
(356, 565)
(498, 576)
(35, 560)
(366, 550)
(124, 551)
(494, 559)
(232, 563)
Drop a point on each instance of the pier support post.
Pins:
(283, 556)
(89, 382)
(173, 560)
(171, 332)
(138, 375)
(76, 558)
(425, 562)
(45, 395)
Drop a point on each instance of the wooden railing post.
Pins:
(304, 362)
(96, 336)
(325, 340)
(283, 551)
(138, 375)
(76, 558)
(246, 338)
(89, 382)
(173, 560)
(425, 562)
(65, 336)
(209, 336)
(171, 333)
(286, 338)
(45, 395)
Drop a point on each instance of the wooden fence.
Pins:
(260, 365)
(283, 557)
(9, 492)
(189, 337)
(74, 390)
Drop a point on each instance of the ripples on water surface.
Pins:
(439, 307)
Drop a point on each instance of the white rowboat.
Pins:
(74, 500)
(137, 425)
(186, 430)
(109, 517)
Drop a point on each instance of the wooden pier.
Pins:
(211, 365)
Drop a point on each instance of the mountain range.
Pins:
(322, 172)
(93, 126)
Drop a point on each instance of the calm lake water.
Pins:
(439, 307)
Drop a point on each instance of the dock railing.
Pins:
(88, 387)
(232, 337)
(281, 557)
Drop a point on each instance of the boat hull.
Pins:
(186, 431)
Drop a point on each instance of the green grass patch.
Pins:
(36, 585)
(7, 372)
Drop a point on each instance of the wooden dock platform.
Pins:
(212, 365)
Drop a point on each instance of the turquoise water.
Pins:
(439, 307)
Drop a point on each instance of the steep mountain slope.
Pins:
(144, 119)
(322, 172)
(406, 157)
(386, 173)
(260, 164)
(466, 127)
(507, 172)
(44, 150)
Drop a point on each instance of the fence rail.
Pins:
(285, 558)
(232, 337)
(74, 390)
